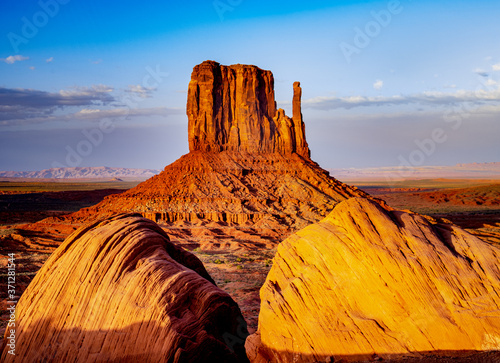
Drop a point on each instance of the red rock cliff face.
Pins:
(233, 108)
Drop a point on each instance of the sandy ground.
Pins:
(237, 257)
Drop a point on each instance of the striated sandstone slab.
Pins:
(118, 290)
(371, 280)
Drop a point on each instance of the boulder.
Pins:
(370, 281)
(118, 290)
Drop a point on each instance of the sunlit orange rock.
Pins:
(371, 280)
(118, 290)
(233, 108)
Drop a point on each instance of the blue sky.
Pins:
(385, 83)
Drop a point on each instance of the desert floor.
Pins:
(471, 204)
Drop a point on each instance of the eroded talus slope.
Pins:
(118, 290)
(233, 187)
(368, 279)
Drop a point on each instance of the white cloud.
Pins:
(29, 107)
(41, 100)
(94, 114)
(140, 91)
(496, 67)
(48, 60)
(102, 88)
(84, 115)
(87, 111)
(14, 58)
(96, 90)
(378, 84)
(491, 82)
(425, 98)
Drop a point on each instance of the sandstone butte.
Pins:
(249, 164)
(118, 290)
(371, 281)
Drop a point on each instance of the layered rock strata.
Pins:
(118, 290)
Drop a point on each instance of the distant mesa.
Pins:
(118, 290)
(490, 165)
(398, 173)
(369, 280)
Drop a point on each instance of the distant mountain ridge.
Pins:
(459, 171)
(470, 170)
(493, 165)
(100, 172)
